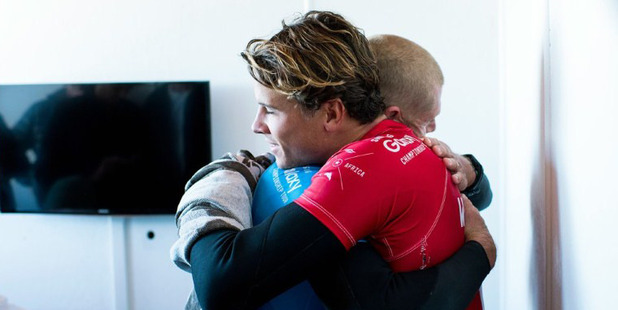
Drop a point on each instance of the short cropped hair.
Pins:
(318, 57)
(409, 75)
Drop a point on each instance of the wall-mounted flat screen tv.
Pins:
(107, 148)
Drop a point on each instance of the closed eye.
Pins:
(267, 109)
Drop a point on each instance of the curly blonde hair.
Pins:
(318, 57)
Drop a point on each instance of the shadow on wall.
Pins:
(546, 260)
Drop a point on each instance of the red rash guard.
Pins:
(390, 188)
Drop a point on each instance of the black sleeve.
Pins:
(363, 280)
(242, 270)
(479, 192)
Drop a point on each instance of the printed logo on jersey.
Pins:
(355, 169)
(395, 145)
(413, 153)
(378, 138)
(279, 187)
(291, 176)
(347, 164)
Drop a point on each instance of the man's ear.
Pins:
(335, 112)
(394, 113)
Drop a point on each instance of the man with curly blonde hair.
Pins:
(319, 103)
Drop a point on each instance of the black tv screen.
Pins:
(108, 148)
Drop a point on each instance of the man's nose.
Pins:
(258, 125)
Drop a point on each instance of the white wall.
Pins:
(584, 105)
(524, 29)
(77, 262)
(559, 89)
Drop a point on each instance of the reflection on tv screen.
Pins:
(112, 148)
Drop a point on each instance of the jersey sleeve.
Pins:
(344, 196)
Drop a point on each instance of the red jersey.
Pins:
(391, 189)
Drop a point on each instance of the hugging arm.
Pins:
(363, 280)
(479, 192)
(467, 173)
(243, 269)
(235, 267)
